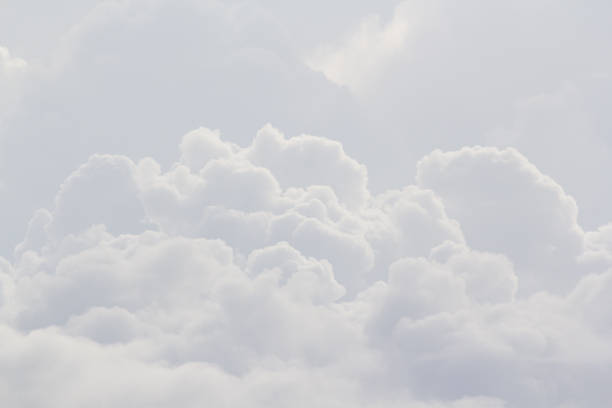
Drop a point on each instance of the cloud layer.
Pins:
(269, 275)
(427, 226)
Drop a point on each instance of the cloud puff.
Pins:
(362, 57)
(505, 204)
(125, 79)
(308, 160)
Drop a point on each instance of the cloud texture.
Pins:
(425, 223)
(269, 275)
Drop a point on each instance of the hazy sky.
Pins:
(276, 203)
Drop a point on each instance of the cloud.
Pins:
(102, 191)
(305, 267)
(83, 371)
(125, 79)
(567, 117)
(361, 58)
(218, 279)
(505, 204)
(308, 160)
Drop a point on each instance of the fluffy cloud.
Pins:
(307, 160)
(128, 76)
(505, 204)
(241, 277)
(468, 75)
(279, 270)
(125, 79)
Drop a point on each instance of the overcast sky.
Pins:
(324, 203)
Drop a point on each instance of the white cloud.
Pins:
(308, 160)
(360, 59)
(280, 270)
(213, 281)
(566, 117)
(202, 145)
(126, 79)
(505, 204)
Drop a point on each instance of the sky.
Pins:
(275, 203)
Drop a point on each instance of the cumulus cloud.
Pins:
(241, 276)
(566, 116)
(505, 204)
(308, 160)
(130, 76)
(305, 265)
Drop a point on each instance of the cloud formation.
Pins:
(360, 60)
(128, 76)
(430, 229)
(268, 275)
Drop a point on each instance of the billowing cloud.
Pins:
(269, 275)
(126, 79)
(307, 160)
(505, 204)
(127, 76)
(428, 227)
